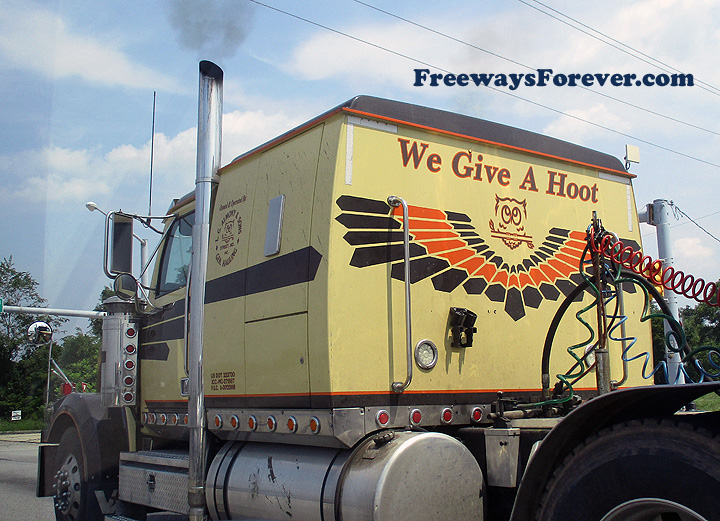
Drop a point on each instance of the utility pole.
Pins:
(658, 214)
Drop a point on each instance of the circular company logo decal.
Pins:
(228, 238)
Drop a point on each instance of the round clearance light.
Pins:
(162, 419)
(174, 418)
(218, 421)
(382, 418)
(128, 397)
(415, 416)
(252, 423)
(131, 332)
(129, 365)
(129, 380)
(234, 421)
(292, 424)
(314, 425)
(447, 415)
(130, 349)
(476, 415)
(271, 423)
(426, 354)
(151, 418)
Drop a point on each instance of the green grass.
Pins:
(26, 424)
(709, 402)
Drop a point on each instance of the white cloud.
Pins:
(36, 39)
(330, 55)
(63, 176)
(692, 255)
(577, 131)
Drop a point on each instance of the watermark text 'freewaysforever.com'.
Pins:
(546, 77)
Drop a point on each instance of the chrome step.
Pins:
(157, 479)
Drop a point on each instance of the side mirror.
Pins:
(122, 243)
(39, 333)
(125, 286)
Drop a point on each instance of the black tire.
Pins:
(74, 497)
(658, 469)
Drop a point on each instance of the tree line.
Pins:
(23, 365)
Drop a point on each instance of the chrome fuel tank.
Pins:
(392, 476)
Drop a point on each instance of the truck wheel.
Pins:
(645, 470)
(74, 497)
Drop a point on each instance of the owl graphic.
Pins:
(510, 228)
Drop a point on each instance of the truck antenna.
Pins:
(152, 152)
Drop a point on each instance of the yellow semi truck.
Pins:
(363, 319)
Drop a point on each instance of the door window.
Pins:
(176, 256)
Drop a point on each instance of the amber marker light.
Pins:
(271, 423)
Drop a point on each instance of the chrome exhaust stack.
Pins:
(209, 136)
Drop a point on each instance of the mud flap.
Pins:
(45, 477)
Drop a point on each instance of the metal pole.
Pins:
(145, 274)
(208, 161)
(602, 355)
(662, 213)
(54, 312)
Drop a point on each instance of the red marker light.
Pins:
(130, 349)
(415, 416)
(447, 415)
(382, 418)
(476, 415)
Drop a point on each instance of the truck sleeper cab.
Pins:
(379, 284)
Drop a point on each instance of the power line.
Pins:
(678, 210)
(405, 56)
(705, 86)
(468, 44)
(621, 43)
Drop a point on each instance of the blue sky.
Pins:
(77, 81)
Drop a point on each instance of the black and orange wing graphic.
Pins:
(446, 247)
